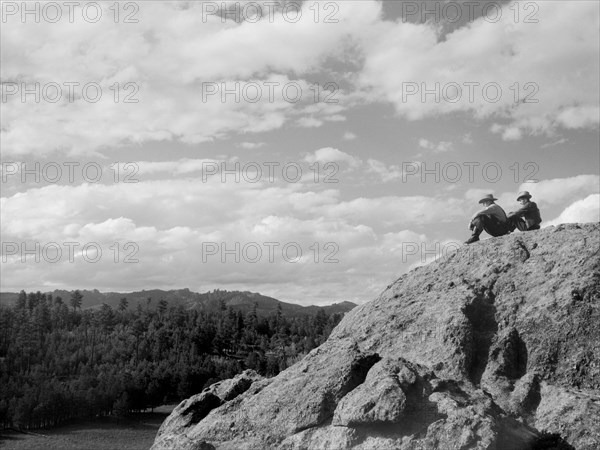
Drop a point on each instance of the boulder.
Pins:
(494, 346)
(191, 411)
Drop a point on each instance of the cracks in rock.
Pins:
(546, 440)
(481, 314)
(421, 412)
(196, 411)
(414, 425)
(324, 423)
(514, 356)
(531, 400)
(354, 378)
(524, 254)
(358, 372)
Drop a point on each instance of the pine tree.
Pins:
(21, 300)
(162, 307)
(76, 298)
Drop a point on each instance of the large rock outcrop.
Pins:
(486, 348)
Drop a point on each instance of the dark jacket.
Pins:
(530, 213)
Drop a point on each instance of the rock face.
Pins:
(191, 411)
(486, 348)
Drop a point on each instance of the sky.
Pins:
(310, 151)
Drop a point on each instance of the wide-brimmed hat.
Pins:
(523, 194)
(487, 198)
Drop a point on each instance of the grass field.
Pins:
(137, 432)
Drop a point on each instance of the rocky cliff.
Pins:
(495, 346)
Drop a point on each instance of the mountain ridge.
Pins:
(238, 300)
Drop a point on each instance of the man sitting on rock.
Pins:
(528, 217)
(492, 219)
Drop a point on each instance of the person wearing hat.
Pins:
(528, 217)
(492, 219)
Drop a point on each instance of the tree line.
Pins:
(59, 362)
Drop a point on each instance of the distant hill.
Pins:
(8, 298)
(237, 300)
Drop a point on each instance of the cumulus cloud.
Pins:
(182, 166)
(580, 211)
(160, 64)
(384, 171)
(560, 190)
(185, 232)
(252, 145)
(256, 80)
(309, 122)
(396, 211)
(440, 147)
(531, 86)
(329, 154)
(509, 133)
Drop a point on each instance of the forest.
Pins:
(59, 362)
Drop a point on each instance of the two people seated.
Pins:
(495, 222)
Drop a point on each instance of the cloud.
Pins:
(509, 133)
(182, 166)
(440, 147)
(251, 145)
(560, 190)
(474, 195)
(172, 228)
(557, 142)
(531, 87)
(580, 211)
(336, 118)
(328, 154)
(392, 211)
(187, 232)
(257, 77)
(386, 172)
(161, 62)
(309, 122)
(349, 136)
(579, 117)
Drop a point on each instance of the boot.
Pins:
(472, 239)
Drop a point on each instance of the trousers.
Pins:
(519, 223)
(489, 224)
